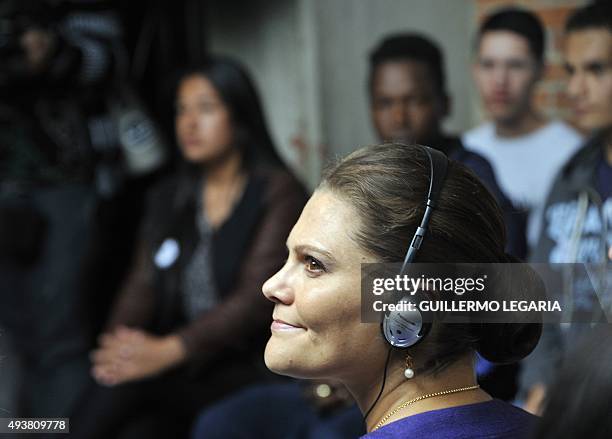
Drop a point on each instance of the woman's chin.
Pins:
(196, 156)
(282, 362)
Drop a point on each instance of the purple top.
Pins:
(493, 419)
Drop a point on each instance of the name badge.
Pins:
(167, 253)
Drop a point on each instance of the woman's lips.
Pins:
(280, 325)
(191, 142)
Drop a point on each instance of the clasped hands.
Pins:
(129, 354)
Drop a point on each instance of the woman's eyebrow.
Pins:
(305, 248)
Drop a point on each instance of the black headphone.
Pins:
(403, 329)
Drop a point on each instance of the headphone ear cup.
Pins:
(403, 329)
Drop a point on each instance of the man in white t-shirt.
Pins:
(525, 150)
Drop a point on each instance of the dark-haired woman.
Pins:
(189, 323)
(367, 209)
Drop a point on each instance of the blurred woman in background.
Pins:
(189, 323)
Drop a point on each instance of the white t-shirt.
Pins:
(525, 167)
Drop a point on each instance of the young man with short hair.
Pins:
(525, 150)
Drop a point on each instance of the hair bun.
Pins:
(517, 336)
(507, 342)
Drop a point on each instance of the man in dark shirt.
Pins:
(577, 223)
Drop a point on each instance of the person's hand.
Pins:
(132, 354)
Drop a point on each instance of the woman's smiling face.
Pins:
(316, 329)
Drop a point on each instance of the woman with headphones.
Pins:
(393, 203)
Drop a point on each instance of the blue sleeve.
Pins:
(515, 219)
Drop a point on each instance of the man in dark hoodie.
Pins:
(577, 224)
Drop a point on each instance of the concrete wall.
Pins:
(309, 59)
(271, 38)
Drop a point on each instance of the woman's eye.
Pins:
(207, 106)
(313, 265)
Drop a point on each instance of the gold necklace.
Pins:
(420, 398)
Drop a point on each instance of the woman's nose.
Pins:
(277, 288)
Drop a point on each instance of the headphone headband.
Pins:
(438, 164)
(403, 329)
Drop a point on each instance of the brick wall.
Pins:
(550, 97)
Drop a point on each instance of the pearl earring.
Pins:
(409, 371)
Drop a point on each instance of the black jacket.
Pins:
(565, 233)
(247, 249)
